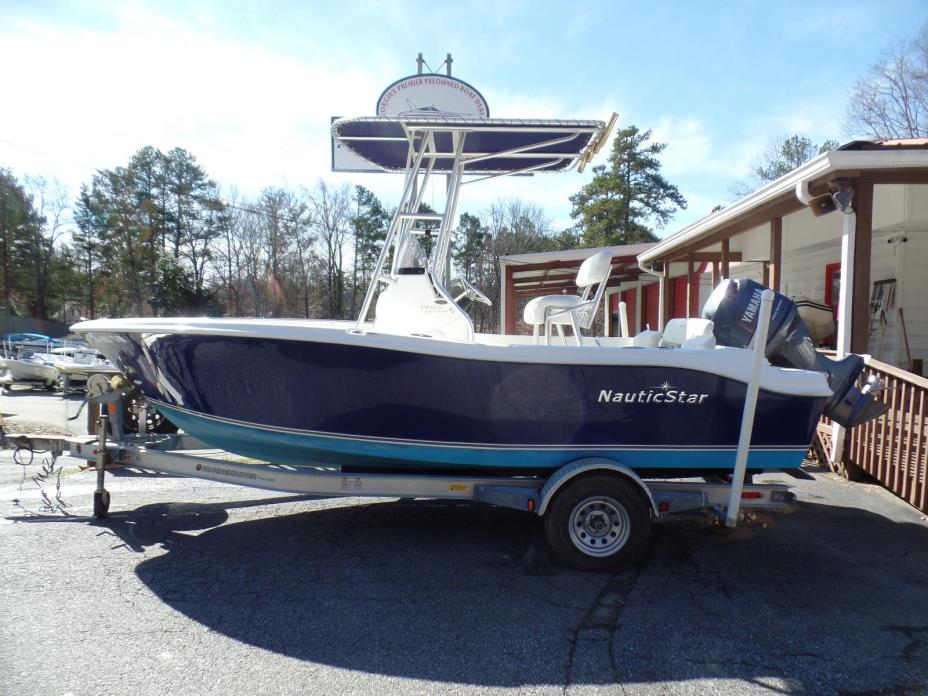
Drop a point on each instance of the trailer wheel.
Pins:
(598, 523)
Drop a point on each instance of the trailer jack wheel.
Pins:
(598, 523)
(101, 503)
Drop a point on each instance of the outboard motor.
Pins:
(734, 308)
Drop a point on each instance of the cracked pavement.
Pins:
(192, 587)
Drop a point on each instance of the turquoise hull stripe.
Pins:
(306, 449)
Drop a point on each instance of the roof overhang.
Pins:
(551, 272)
(780, 197)
(624, 250)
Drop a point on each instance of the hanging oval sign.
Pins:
(432, 95)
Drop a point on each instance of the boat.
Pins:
(409, 385)
(34, 342)
(75, 364)
(28, 370)
(21, 361)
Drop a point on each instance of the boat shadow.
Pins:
(439, 591)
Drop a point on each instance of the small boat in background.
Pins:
(13, 343)
(75, 364)
(28, 370)
(20, 361)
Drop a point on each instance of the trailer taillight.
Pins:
(751, 495)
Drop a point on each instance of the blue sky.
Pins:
(249, 87)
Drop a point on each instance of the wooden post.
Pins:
(863, 235)
(509, 303)
(725, 259)
(666, 295)
(607, 310)
(715, 274)
(765, 273)
(692, 288)
(776, 253)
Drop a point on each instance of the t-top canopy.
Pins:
(487, 146)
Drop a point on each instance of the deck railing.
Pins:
(893, 448)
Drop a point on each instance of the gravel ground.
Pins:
(192, 587)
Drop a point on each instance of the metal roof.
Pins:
(627, 250)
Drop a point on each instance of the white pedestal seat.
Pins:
(575, 311)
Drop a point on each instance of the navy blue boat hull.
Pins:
(305, 403)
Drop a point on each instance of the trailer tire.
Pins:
(598, 522)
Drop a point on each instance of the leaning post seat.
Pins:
(539, 307)
(575, 311)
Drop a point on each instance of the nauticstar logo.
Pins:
(665, 393)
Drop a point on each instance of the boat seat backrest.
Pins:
(594, 270)
(688, 333)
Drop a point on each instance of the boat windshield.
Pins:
(410, 256)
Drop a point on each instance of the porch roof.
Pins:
(882, 161)
(620, 251)
(547, 272)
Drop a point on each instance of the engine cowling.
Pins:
(734, 308)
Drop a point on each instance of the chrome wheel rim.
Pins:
(599, 526)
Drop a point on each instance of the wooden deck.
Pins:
(893, 448)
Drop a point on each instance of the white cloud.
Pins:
(252, 117)
(689, 147)
(818, 118)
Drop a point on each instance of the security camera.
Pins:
(843, 199)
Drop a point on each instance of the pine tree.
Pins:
(16, 216)
(628, 198)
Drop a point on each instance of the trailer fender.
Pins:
(586, 465)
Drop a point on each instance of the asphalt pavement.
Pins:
(192, 587)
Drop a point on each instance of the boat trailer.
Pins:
(606, 503)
